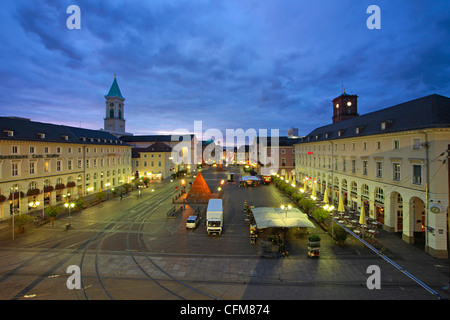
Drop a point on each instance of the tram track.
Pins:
(136, 249)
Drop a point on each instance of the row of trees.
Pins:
(308, 206)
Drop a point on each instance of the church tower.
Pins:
(345, 107)
(114, 120)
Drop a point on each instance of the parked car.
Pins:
(192, 222)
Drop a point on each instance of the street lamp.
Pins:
(69, 205)
(286, 208)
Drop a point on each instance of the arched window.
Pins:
(120, 114)
(111, 113)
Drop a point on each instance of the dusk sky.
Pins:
(261, 64)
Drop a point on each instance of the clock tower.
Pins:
(114, 120)
(345, 107)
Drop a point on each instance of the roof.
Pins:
(266, 217)
(156, 147)
(282, 141)
(155, 138)
(114, 91)
(432, 111)
(27, 130)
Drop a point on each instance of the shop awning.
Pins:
(250, 178)
(266, 217)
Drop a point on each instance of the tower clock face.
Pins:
(349, 103)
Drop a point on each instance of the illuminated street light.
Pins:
(69, 205)
(286, 208)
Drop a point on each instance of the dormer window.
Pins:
(83, 138)
(340, 132)
(8, 133)
(65, 137)
(41, 135)
(385, 124)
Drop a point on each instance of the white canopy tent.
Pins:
(267, 217)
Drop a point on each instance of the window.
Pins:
(283, 151)
(58, 149)
(69, 164)
(364, 145)
(344, 165)
(46, 150)
(58, 165)
(396, 144)
(15, 150)
(417, 174)
(15, 169)
(159, 163)
(396, 171)
(79, 163)
(378, 145)
(364, 165)
(379, 195)
(32, 167)
(32, 150)
(416, 144)
(283, 161)
(353, 166)
(46, 166)
(379, 169)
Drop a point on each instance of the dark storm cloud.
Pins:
(231, 64)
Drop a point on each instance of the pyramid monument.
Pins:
(199, 190)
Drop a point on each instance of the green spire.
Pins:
(114, 91)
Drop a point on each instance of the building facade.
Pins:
(43, 164)
(185, 148)
(389, 161)
(154, 162)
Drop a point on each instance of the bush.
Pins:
(339, 233)
(314, 238)
(307, 205)
(79, 203)
(320, 215)
(52, 211)
(21, 220)
(298, 197)
(100, 196)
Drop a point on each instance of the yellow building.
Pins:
(42, 164)
(154, 161)
(389, 161)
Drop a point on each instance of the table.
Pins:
(371, 233)
(357, 232)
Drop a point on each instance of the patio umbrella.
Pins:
(325, 197)
(362, 217)
(341, 204)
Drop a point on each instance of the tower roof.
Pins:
(115, 91)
